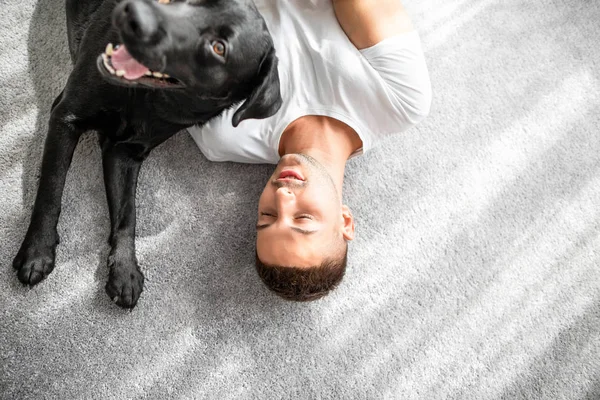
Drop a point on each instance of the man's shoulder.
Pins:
(219, 140)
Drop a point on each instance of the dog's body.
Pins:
(216, 53)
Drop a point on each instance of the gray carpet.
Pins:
(474, 274)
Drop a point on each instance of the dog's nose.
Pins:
(137, 18)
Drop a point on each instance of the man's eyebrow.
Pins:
(300, 230)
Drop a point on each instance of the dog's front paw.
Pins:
(34, 261)
(125, 282)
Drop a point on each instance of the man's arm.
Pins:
(368, 22)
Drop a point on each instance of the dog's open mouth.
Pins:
(124, 69)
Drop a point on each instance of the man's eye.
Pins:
(305, 216)
(267, 214)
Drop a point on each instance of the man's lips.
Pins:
(289, 174)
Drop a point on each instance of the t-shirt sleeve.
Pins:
(400, 62)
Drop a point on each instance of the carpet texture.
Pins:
(474, 274)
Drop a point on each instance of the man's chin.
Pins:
(290, 160)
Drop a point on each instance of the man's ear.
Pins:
(347, 223)
(265, 100)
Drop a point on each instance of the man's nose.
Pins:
(285, 197)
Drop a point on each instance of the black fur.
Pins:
(133, 117)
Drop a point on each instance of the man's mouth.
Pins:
(122, 68)
(289, 174)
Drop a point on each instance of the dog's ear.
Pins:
(265, 100)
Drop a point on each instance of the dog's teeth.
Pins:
(148, 73)
(109, 49)
(120, 72)
(164, 1)
(166, 76)
(107, 65)
(157, 75)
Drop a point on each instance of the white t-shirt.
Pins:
(377, 91)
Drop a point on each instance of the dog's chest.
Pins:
(142, 117)
(137, 124)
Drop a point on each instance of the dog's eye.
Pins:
(218, 47)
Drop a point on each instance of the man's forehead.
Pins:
(280, 250)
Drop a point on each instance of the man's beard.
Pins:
(319, 171)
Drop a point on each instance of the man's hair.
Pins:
(304, 284)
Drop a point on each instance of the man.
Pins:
(352, 72)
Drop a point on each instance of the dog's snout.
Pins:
(137, 18)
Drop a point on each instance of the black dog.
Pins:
(178, 64)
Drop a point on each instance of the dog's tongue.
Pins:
(121, 59)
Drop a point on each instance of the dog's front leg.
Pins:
(35, 259)
(122, 164)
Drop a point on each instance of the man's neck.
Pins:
(327, 140)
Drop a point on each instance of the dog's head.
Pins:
(217, 49)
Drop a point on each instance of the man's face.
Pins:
(300, 217)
